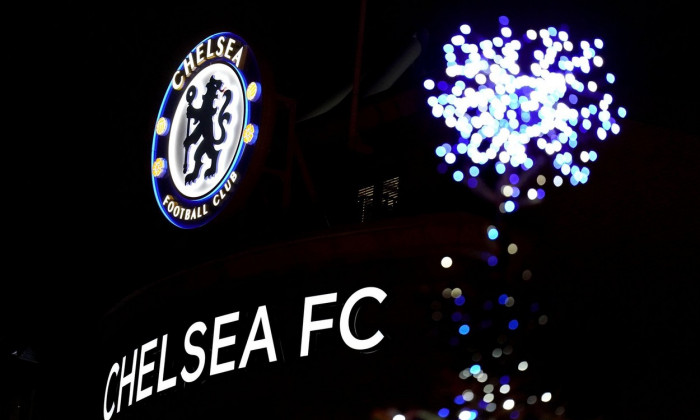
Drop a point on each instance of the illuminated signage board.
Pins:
(304, 329)
(133, 377)
(206, 130)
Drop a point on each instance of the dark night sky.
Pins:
(624, 245)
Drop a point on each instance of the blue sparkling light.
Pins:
(492, 233)
(515, 103)
(489, 388)
(443, 412)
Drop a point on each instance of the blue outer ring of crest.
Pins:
(187, 202)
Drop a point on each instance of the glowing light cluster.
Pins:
(493, 379)
(520, 105)
(488, 329)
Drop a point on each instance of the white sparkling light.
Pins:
(516, 115)
(468, 395)
(446, 262)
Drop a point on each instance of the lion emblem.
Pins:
(203, 119)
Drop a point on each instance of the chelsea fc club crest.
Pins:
(206, 130)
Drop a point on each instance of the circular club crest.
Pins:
(205, 130)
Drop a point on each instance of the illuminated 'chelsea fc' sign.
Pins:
(207, 124)
(137, 373)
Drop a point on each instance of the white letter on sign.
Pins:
(309, 325)
(261, 319)
(218, 343)
(352, 341)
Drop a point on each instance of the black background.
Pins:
(85, 86)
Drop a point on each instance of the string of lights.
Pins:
(497, 380)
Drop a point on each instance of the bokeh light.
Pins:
(495, 380)
(446, 262)
(535, 104)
